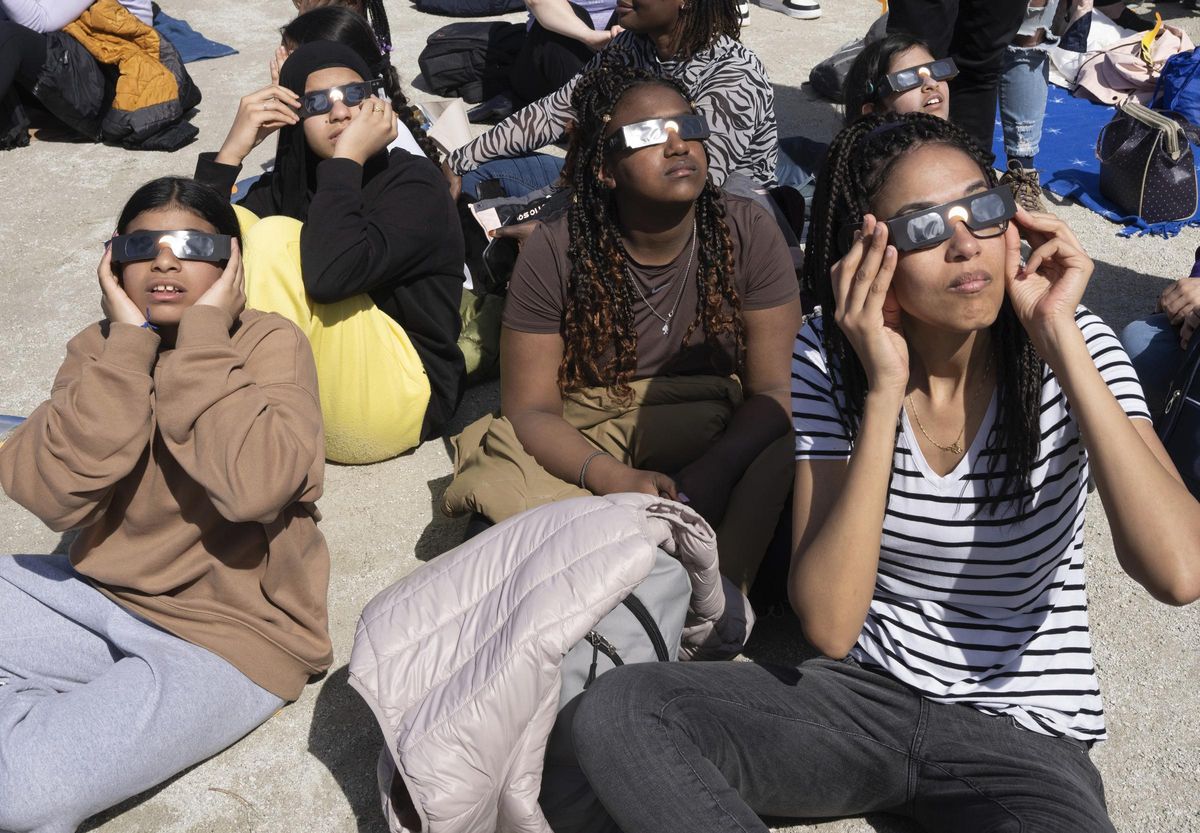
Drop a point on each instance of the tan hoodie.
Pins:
(192, 474)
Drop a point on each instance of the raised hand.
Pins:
(115, 304)
(1047, 289)
(372, 128)
(229, 292)
(281, 55)
(259, 115)
(867, 311)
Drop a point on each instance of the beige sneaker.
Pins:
(1027, 189)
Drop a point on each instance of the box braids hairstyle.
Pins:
(600, 341)
(860, 160)
(703, 22)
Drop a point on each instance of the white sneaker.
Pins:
(803, 9)
(743, 10)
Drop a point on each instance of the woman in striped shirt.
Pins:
(941, 406)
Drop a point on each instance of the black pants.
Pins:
(974, 33)
(22, 53)
(708, 747)
(548, 60)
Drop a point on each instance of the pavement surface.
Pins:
(311, 767)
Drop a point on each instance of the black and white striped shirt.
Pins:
(970, 607)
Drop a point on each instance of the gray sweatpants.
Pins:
(96, 704)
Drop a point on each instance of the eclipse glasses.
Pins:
(985, 214)
(185, 245)
(320, 102)
(913, 77)
(691, 127)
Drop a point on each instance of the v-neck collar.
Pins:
(953, 477)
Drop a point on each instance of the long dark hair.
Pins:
(865, 77)
(344, 26)
(703, 22)
(178, 192)
(599, 334)
(860, 161)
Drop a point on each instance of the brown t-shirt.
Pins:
(763, 274)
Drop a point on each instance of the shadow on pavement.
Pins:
(344, 737)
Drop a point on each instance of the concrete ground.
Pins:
(311, 766)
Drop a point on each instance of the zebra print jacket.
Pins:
(728, 83)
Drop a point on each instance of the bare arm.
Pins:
(839, 507)
(530, 400)
(762, 418)
(837, 530)
(556, 16)
(1155, 521)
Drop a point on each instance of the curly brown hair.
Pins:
(600, 340)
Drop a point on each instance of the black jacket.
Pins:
(78, 90)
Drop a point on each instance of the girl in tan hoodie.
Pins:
(183, 439)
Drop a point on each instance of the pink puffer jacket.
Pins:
(460, 660)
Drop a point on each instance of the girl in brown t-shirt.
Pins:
(651, 284)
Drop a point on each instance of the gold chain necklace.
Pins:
(956, 446)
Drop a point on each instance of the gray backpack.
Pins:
(645, 627)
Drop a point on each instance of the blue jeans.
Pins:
(1153, 348)
(519, 175)
(1024, 82)
(800, 159)
(708, 747)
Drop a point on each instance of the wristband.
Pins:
(584, 468)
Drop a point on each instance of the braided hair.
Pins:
(377, 15)
(341, 25)
(703, 22)
(600, 340)
(860, 161)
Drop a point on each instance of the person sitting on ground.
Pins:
(898, 74)
(950, 405)
(359, 246)
(561, 36)
(182, 439)
(695, 43)
(341, 25)
(624, 321)
(1158, 343)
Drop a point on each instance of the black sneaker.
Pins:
(803, 9)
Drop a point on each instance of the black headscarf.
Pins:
(294, 179)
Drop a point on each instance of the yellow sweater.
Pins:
(192, 474)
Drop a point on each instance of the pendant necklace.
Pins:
(956, 446)
(681, 277)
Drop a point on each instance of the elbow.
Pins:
(828, 641)
(249, 509)
(1181, 591)
(321, 292)
(823, 632)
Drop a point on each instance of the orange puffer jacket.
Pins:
(153, 90)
